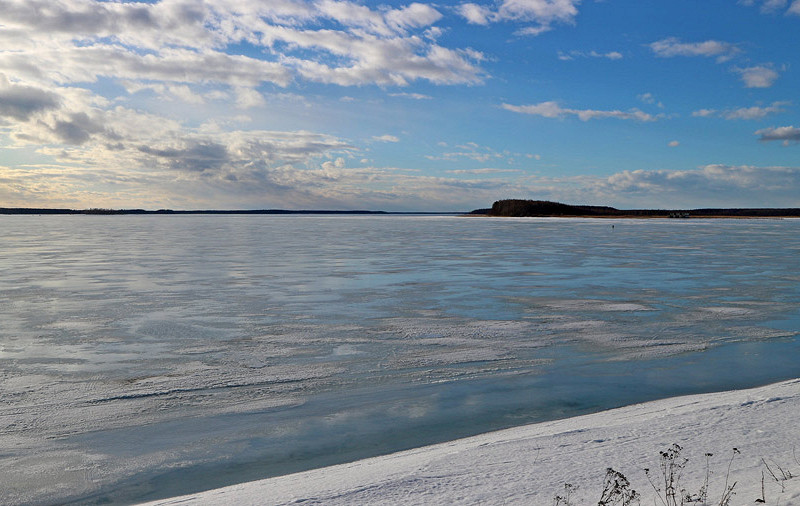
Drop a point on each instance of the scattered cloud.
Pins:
(571, 55)
(551, 109)
(768, 5)
(475, 14)
(483, 171)
(477, 153)
(386, 138)
(543, 13)
(747, 113)
(470, 151)
(169, 42)
(648, 98)
(672, 46)
(414, 96)
(111, 152)
(774, 6)
(787, 135)
(759, 76)
(533, 31)
(415, 15)
(704, 113)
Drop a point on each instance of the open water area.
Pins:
(148, 356)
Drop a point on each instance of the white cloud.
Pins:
(477, 153)
(482, 171)
(543, 13)
(767, 6)
(247, 98)
(571, 55)
(787, 135)
(673, 46)
(413, 96)
(611, 55)
(773, 6)
(386, 138)
(648, 98)
(674, 144)
(475, 14)
(533, 31)
(704, 113)
(540, 11)
(713, 185)
(754, 112)
(169, 92)
(551, 109)
(112, 155)
(746, 113)
(71, 41)
(760, 76)
(333, 168)
(716, 175)
(412, 16)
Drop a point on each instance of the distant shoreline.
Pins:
(544, 208)
(106, 212)
(642, 217)
(501, 208)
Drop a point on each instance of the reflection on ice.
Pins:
(202, 344)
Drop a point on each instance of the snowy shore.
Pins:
(531, 464)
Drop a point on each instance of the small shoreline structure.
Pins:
(519, 208)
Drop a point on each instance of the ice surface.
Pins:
(265, 344)
(529, 465)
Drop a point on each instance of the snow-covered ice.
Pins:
(143, 357)
(531, 464)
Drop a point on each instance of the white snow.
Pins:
(531, 464)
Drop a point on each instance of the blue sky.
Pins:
(398, 106)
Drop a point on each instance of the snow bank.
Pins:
(531, 464)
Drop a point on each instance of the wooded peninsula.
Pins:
(545, 208)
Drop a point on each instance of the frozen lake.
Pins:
(149, 356)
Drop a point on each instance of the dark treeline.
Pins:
(33, 210)
(543, 208)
